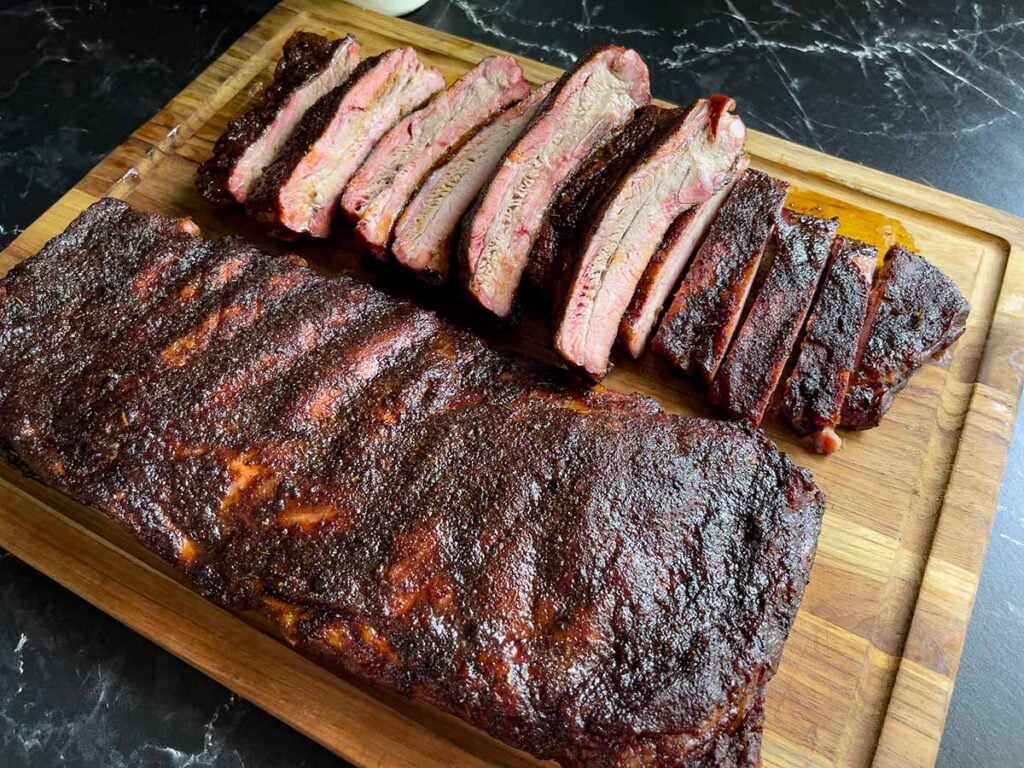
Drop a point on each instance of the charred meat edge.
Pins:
(310, 448)
(813, 398)
(668, 264)
(396, 166)
(684, 166)
(298, 193)
(695, 332)
(595, 97)
(757, 358)
(916, 313)
(426, 230)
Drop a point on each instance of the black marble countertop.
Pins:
(930, 91)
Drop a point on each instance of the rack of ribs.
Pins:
(460, 524)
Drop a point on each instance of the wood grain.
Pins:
(868, 671)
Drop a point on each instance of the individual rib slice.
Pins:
(668, 264)
(426, 229)
(696, 330)
(596, 96)
(917, 312)
(687, 163)
(556, 250)
(751, 371)
(298, 193)
(401, 501)
(396, 166)
(310, 66)
(813, 398)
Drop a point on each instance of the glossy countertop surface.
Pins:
(933, 92)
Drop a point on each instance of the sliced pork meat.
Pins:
(813, 399)
(555, 252)
(310, 66)
(684, 166)
(751, 371)
(668, 264)
(916, 312)
(697, 328)
(426, 229)
(598, 95)
(298, 193)
(395, 168)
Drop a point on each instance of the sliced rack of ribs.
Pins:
(688, 162)
(555, 251)
(916, 312)
(748, 376)
(597, 96)
(299, 192)
(813, 399)
(695, 333)
(310, 66)
(668, 264)
(426, 230)
(456, 523)
(395, 168)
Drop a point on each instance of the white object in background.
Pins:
(391, 7)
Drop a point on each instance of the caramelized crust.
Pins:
(682, 167)
(668, 264)
(697, 328)
(916, 313)
(752, 369)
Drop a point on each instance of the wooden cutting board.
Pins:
(868, 671)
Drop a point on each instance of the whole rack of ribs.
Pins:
(454, 522)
